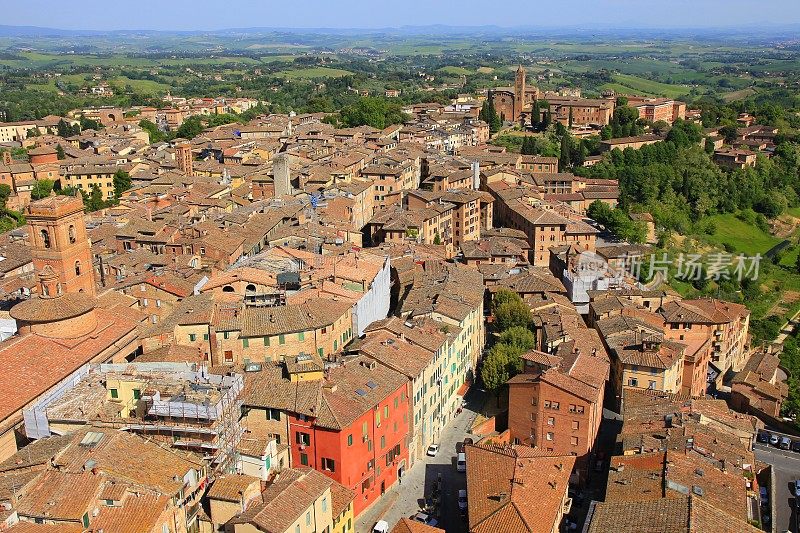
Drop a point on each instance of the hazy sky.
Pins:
(217, 14)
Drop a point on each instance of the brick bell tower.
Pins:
(519, 93)
(57, 237)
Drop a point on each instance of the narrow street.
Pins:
(786, 464)
(406, 498)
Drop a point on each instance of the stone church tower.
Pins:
(519, 93)
(58, 240)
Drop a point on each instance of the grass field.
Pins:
(456, 71)
(310, 73)
(740, 235)
(635, 84)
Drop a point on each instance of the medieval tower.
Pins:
(58, 239)
(519, 93)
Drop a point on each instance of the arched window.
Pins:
(227, 288)
(45, 291)
(77, 268)
(251, 288)
(72, 238)
(46, 238)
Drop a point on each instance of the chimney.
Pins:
(280, 171)
(476, 175)
(6, 158)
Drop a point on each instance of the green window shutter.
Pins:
(114, 393)
(266, 341)
(301, 336)
(281, 339)
(245, 343)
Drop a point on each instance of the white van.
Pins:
(381, 527)
(461, 462)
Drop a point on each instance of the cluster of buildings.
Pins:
(686, 464)
(278, 318)
(517, 104)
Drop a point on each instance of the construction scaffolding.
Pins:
(179, 404)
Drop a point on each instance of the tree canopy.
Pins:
(371, 111)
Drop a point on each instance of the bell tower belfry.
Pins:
(519, 93)
(58, 239)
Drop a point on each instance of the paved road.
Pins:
(405, 499)
(787, 468)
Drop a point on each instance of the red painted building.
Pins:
(360, 435)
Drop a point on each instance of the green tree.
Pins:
(510, 314)
(64, 129)
(564, 157)
(190, 128)
(518, 336)
(494, 372)
(89, 124)
(155, 134)
(503, 296)
(41, 189)
(122, 182)
(371, 111)
(502, 362)
(536, 117)
(570, 118)
(660, 127)
(489, 115)
(94, 201)
(60, 152)
(728, 133)
(5, 192)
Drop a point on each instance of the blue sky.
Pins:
(219, 14)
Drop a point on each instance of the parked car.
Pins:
(774, 439)
(461, 462)
(796, 445)
(763, 436)
(764, 496)
(382, 526)
(462, 500)
(433, 449)
(425, 519)
(786, 442)
(468, 440)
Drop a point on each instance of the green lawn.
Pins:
(316, 72)
(740, 235)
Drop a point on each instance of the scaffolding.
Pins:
(194, 422)
(177, 403)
